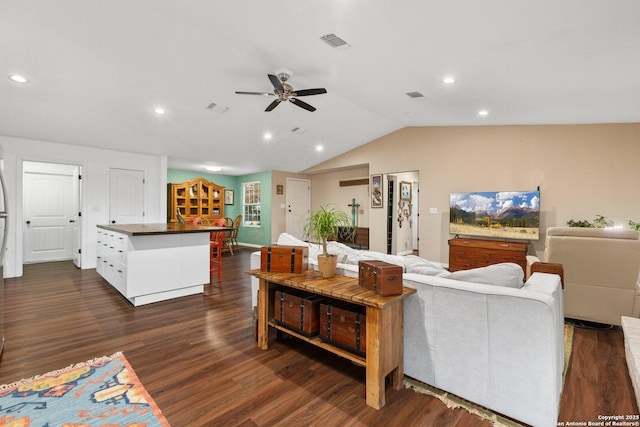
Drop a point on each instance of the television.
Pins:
(499, 214)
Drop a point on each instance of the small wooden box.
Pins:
(344, 325)
(381, 277)
(284, 259)
(298, 310)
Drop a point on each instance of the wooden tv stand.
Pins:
(384, 352)
(472, 253)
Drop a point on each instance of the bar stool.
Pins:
(215, 244)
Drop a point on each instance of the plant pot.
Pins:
(327, 265)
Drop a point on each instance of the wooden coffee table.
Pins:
(384, 352)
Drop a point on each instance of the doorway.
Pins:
(51, 203)
(126, 196)
(402, 215)
(298, 205)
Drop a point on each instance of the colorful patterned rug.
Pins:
(497, 420)
(98, 393)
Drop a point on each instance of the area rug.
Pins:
(452, 401)
(101, 392)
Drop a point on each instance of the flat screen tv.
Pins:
(500, 214)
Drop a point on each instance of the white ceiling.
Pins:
(97, 69)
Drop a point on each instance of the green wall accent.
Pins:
(253, 235)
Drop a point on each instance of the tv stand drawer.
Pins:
(465, 254)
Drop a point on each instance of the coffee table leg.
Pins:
(375, 367)
(263, 315)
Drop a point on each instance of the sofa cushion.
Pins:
(287, 239)
(359, 255)
(415, 264)
(506, 274)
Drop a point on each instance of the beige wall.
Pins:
(326, 190)
(582, 171)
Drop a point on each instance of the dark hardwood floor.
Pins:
(197, 357)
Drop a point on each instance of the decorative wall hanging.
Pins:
(405, 213)
(376, 191)
(228, 197)
(405, 190)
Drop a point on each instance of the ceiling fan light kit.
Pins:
(285, 92)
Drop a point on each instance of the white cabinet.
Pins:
(153, 267)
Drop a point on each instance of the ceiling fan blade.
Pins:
(275, 81)
(302, 104)
(307, 92)
(254, 93)
(273, 105)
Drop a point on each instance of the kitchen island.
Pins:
(148, 263)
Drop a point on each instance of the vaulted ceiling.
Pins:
(97, 69)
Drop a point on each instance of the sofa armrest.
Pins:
(531, 259)
(548, 267)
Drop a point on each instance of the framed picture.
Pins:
(279, 189)
(405, 190)
(228, 197)
(376, 191)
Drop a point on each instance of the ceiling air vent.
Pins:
(334, 41)
(415, 95)
(298, 130)
(217, 108)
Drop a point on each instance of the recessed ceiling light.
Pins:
(448, 80)
(319, 148)
(214, 168)
(18, 78)
(267, 136)
(159, 110)
(483, 113)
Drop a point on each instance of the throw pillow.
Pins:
(507, 274)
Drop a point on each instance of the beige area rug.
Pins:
(453, 402)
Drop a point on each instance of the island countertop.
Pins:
(160, 228)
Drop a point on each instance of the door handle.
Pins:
(28, 222)
(71, 220)
(113, 221)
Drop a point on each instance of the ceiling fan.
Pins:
(285, 92)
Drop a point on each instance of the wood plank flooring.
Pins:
(198, 358)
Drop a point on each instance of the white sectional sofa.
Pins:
(481, 334)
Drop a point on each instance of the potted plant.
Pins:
(322, 225)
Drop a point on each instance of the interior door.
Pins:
(126, 196)
(298, 205)
(49, 208)
(76, 237)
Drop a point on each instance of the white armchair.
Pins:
(601, 271)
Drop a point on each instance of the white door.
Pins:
(76, 237)
(126, 196)
(49, 209)
(298, 205)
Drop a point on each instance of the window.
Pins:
(251, 204)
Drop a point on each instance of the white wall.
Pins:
(95, 163)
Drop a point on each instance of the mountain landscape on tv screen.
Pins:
(514, 215)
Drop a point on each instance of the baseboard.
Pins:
(250, 245)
